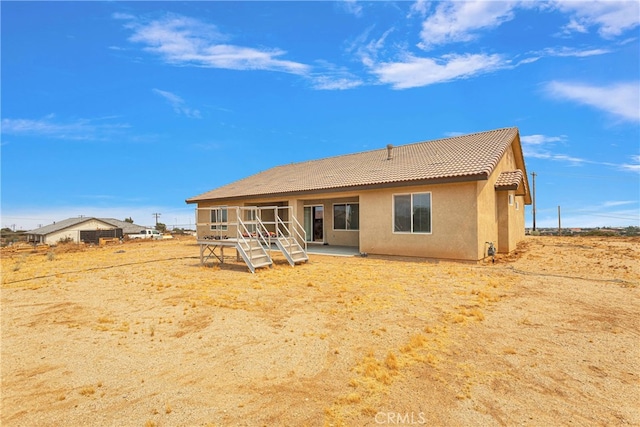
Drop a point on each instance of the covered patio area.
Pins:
(333, 250)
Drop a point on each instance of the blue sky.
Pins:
(118, 109)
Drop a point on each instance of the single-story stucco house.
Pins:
(445, 198)
(82, 229)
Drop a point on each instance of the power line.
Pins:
(580, 213)
(588, 176)
(595, 213)
(21, 217)
(613, 216)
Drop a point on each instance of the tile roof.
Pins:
(509, 180)
(59, 225)
(468, 156)
(127, 228)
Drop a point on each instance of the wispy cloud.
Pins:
(328, 82)
(544, 147)
(561, 52)
(185, 41)
(613, 203)
(178, 104)
(528, 140)
(334, 78)
(621, 100)
(460, 21)
(463, 21)
(566, 52)
(352, 7)
(633, 165)
(452, 22)
(577, 53)
(49, 126)
(594, 218)
(611, 18)
(413, 71)
(419, 8)
(607, 213)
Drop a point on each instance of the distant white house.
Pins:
(82, 229)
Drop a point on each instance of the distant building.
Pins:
(82, 229)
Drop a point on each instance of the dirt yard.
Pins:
(140, 334)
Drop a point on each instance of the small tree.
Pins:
(161, 227)
(129, 220)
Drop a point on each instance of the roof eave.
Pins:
(507, 187)
(521, 165)
(395, 184)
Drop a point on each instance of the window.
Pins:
(219, 218)
(510, 199)
(346, 216)
(412, 213)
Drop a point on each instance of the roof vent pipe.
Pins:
(389, 149)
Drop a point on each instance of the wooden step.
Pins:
(250, 244)
(262, 264)
(259, 258)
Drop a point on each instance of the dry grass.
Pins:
(332, 342)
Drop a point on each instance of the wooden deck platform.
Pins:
(243, 228)
(208, 249)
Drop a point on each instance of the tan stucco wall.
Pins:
(453, 223)
(518, 222)
(503, 213)
(499, 222)
(74, 232)
(511, 221)
(487, 216)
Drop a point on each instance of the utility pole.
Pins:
(156, 215)
(559, 226)
(533, 175)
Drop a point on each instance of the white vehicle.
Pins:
(147, 233)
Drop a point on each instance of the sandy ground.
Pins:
(140, 334)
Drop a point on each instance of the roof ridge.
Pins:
(466, 135)
(453, 157)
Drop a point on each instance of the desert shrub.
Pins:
(600, 233)
(631, 231)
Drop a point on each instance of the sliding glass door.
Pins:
(314, 223)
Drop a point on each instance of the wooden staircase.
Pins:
(292, 250)
(253, 254)
(243, 227)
